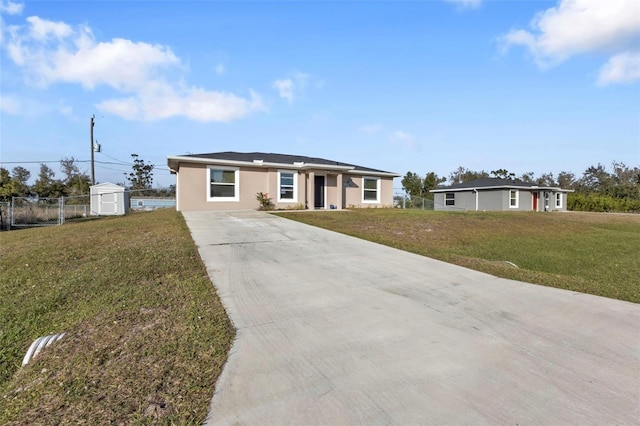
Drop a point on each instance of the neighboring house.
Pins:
(491, 194)
(231, 180)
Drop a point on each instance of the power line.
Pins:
(155, 166)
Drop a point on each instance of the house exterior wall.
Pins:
(492, 200)
(499, 200)
(192, 189)
(353, 192)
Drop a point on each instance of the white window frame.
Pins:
(236, 184)
(517, 198)
(453, 199)
(295, 186)
(558, 198)
(377, 179)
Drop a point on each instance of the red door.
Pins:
(535, 202)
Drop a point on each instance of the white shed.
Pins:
(108, 199)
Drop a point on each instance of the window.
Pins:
(287, 186)
(450, 199)
(370, 190)
(558, 200)
(223, 184)
(513, 199)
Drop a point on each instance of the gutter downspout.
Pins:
(475, 191)
(177, 199)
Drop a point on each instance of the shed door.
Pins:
(108, 203)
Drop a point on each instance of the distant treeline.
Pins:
(74, 184)
(598, 189)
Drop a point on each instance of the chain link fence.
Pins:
(405, 201)
(28, 212)
(24, 212)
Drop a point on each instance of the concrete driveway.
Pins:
(334, 330)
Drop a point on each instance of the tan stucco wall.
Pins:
(353, 194)
(193, 187)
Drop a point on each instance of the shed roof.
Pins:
(268, 158)
(496, 183)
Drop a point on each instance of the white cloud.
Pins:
(288, 88)
(10, 7)
(193, 103)
(220, 69)
(65, 110)
(401, 136)
(621, 68)
(466, 4)
(10, 105)
(149, 75)
(43, 30)
(370, 129)
(285, 89)
(404, 140)
(576, 27)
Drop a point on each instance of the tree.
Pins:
(75, 183)
(626, 181)
(503, 174)
(417, 186)
(412, 184)
(527, 177)
(69, 168)
(431, 181)
(547, 179)
(463, 174)
(141, 177)
(46, 186)
(596, 179)
(5, 184)
(566, 180)
(18, 184)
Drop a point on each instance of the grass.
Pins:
(146, 333)
(590, 253)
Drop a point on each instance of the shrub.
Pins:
(265, 201)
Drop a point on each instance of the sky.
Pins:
(421, 86)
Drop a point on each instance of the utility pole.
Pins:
(93, 173)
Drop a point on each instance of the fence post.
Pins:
(13, 202)
(61, 213)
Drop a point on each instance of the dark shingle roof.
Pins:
(269, 157)
(491, 183)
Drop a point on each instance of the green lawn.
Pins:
(146, 334)
(595, 253)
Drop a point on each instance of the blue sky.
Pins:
(541, 86)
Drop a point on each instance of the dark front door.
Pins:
(318, 193)
(535, 201)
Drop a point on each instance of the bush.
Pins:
(265, 201)
(592, 202)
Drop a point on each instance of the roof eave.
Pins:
(477, 188)
(174, 164)
(373, 173)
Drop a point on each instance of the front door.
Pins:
(535, 201)
(318, 193)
